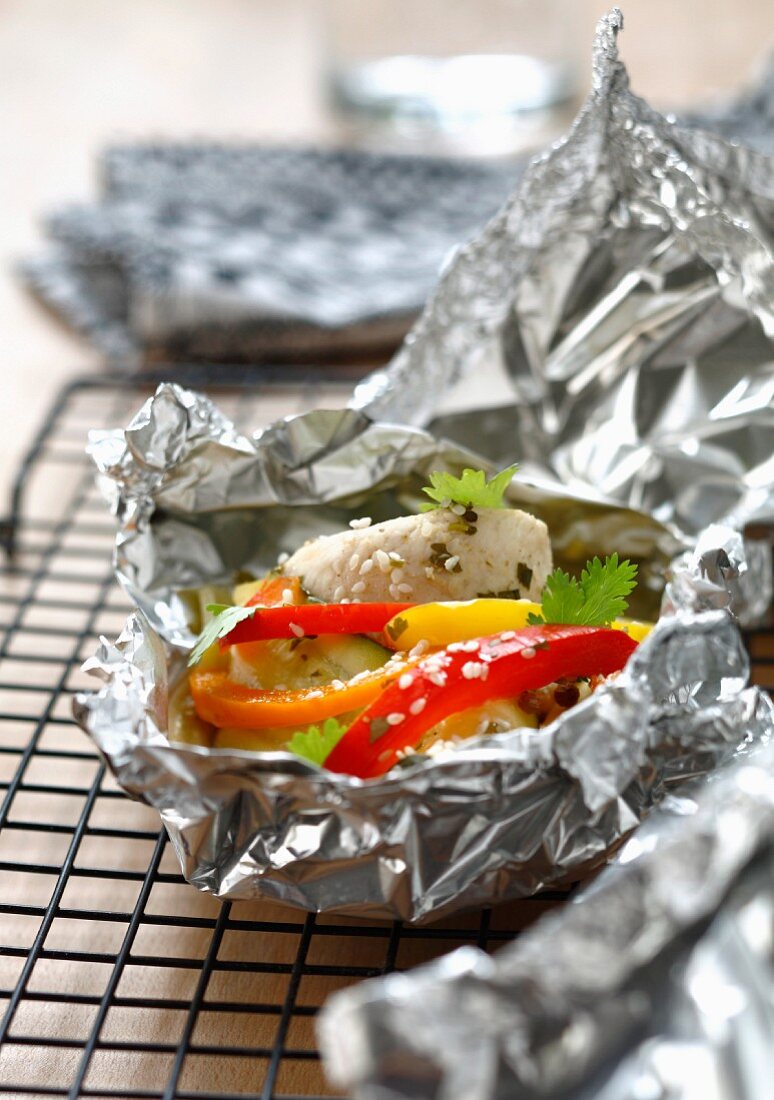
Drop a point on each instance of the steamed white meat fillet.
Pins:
(435, 556)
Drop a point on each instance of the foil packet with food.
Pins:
(397, 712)
(492, 816)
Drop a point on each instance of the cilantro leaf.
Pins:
(562, 599)
(472, 489)
(225, 618)
(315, 744)
(597, 599)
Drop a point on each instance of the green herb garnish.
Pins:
(317, 744)
(472, 489)
(596, 599)
(225, 618)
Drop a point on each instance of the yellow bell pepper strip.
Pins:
(222, 702)
(465, 675)
(440, 624)
(313, 618)
(634, 628)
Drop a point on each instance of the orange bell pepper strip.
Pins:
(224, 703)
(272, 592)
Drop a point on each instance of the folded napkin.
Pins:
(237, 253)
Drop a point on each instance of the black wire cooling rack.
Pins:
(117, 979)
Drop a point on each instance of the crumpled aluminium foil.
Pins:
(628, 286)
(497, 818)
(655, 982)
(505, 816)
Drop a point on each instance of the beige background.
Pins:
(77, 73)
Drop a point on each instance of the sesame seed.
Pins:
(507, 635)
(297, 630)
(469, 647)
(345, 600)
(339, 685)
(418, 706)
(284, 556)
(429, 572)
(394, 591)
(471, 670)
(394, 556)
(366, 567)
(421, 647)
(396, 576)
(405, 681)
(316, 694)
(450, 563)
(405, 589)
(358, 586)
(446, 502)
(528, 653)
(338, 593)
(359, 524)
(459, 509)
(287, 595)
(382, 560)
(437, 678)
(354, 561)
(395, 719)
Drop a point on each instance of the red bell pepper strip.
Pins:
(467, 674)
(313, 618)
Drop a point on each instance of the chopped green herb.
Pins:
(472, 489)
(596, 599)
(396, 627)
(317, 744)
(524, 574)
(225, 618)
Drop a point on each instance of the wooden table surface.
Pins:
(80, 73)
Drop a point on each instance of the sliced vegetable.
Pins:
(598, 598)
(222, 702)
(270, 592)
(472, 489)
(224, 620)
(261, 624)
(634, 628)
(440, 624)
(465, 675)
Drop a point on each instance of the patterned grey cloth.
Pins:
(236, 253)
(243, 253)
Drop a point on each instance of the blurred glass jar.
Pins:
(465, 76)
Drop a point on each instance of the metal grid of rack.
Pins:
(117, 979)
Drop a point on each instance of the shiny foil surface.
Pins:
(507, 815)
(628, 289)
(655, 982)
